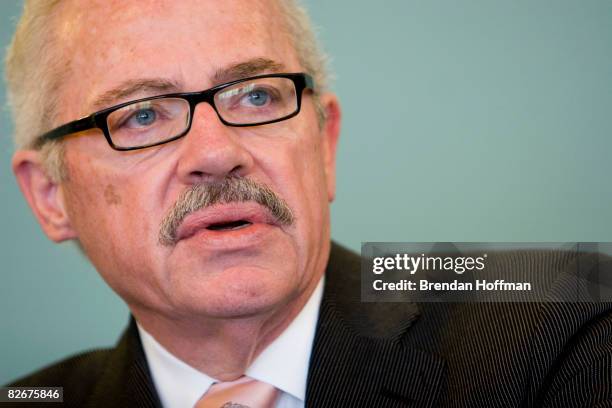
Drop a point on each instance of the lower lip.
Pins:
(232, 238)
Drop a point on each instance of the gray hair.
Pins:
(35, 71)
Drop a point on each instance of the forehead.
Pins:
(184, 41)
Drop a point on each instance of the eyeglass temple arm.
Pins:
(309, 82)
(78, 125)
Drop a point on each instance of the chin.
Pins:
(239, 292)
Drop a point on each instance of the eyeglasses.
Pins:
(152, 121)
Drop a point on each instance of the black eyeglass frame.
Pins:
(98, 119)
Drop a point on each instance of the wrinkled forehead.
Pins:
(184, 42)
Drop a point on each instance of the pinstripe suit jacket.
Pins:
(401, 355)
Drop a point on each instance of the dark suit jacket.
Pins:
(401, 355)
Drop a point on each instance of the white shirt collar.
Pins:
(284, 363)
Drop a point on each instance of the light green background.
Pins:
(472, 120)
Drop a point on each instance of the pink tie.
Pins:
(241, 393)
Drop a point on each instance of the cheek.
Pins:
(116, 229)
(293, 165)
(308, 162)
(108, 212)
(117, 193)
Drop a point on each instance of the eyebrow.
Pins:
(159, 86)
(246, 69)
(133, 86)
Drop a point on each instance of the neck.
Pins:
(222, 348)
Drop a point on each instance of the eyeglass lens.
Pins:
(244, 103)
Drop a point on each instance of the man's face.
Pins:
(116, 201)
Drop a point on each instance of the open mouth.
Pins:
(229, 226)
(227, 221)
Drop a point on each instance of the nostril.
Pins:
(199, 177)
(236, 171)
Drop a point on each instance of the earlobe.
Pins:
(331, 133)
(43, 194)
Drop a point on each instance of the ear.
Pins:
(331, 133)
(43, 195)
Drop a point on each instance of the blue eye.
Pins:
(258, 97)
(143, 117)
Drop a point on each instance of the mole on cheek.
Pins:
(111, 196)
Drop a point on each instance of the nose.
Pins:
(211, 150)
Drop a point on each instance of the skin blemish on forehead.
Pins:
(110, 195)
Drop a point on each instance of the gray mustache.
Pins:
(231, 189)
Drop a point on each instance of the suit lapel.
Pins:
(126, 381)
(358, 358)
